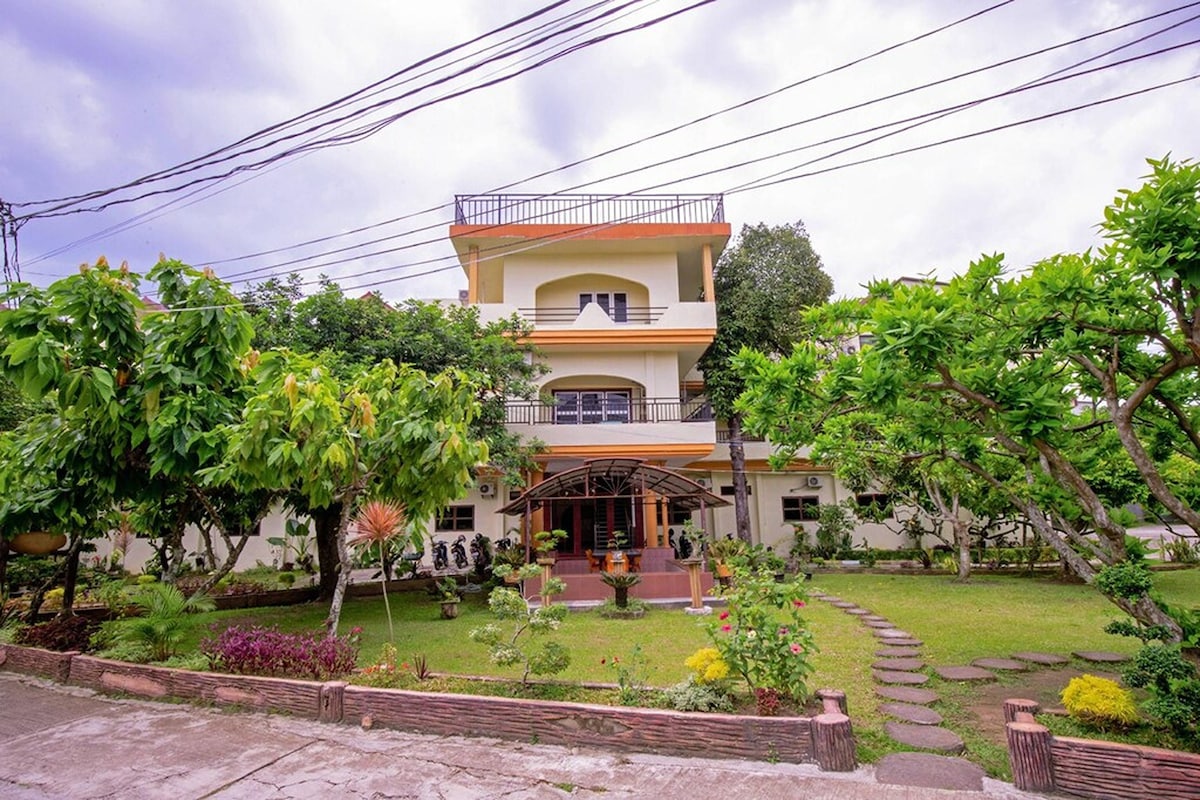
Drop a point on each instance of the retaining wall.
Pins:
(1043, 762)
(826, 739)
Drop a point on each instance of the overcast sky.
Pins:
(99, 94)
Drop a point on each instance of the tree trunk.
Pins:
(72, 576)
(737, 463)
(226, 566)
(343, 572)
(325, 528)
(962, 543)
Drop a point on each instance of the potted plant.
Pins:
(722, 552)
(448, 595)
(507, 563)
(620, 582)
(546, 544)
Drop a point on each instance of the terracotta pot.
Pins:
(545, 561)
(37, 543)
(512, 579)
(723, 570)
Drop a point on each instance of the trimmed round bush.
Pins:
(1099, 702)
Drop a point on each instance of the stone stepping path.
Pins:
(907, 712)
(1044, 659)
(899, 664)
(964, 674)
(907, 694)
(925, 737)
(898, 652)
(1002, 664)
(1100, 656)
(929, 771)
(891, 633)
(899, 678)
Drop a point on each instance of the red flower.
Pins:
(798, 603)
(726, 628)
(724, 615)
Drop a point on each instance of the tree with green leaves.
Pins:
(134, 398)
(1005, 360)
(353, 333)
(763, 284)
(388, 432)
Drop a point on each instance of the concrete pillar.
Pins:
(473, 275)
(710, 295)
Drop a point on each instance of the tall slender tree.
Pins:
(763, 284)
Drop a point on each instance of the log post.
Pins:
(833, 701)
(1030, 756)
(332, 701)
(1019, 705)
(833, 743)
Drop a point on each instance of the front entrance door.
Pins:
(589, 523)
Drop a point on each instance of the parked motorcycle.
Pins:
(481, 553)
(459, 550)
(441, 556)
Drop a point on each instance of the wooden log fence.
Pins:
(826, 739)
(1097, 770)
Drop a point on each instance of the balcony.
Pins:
(567, 315)
(588, 209)
(608, 408)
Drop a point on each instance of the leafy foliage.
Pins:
(514, 646)
(762, 635)
(1099, 702)
(691, 695)
(163, 623)
(268, 652)
(62, 634)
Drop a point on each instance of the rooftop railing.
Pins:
(587, 209)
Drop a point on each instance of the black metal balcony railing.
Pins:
(640, 409)
(723, 436)
(632, 315)
(587, 209)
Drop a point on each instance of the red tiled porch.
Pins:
(663, 578)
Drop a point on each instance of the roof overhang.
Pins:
(616, 477)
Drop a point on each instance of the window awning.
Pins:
(616, 477)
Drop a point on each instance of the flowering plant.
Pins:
(631, 675)
(762, 637)
(511, 646)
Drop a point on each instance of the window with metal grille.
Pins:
(801, 509)
(456, 518)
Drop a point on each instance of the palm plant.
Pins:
(163, 622)
(378, 523)
(620, 582)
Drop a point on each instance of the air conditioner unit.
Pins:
(487, 489)
(705, 482)
(814, 481)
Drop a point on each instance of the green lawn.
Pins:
(991, 616)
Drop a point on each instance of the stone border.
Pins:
(1099, 770)
(826, 739)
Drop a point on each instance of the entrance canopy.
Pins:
(616, 477)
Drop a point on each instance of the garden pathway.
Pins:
(900, 676)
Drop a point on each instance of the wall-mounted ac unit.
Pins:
(487, 489)
(814, 481)
(705, 482)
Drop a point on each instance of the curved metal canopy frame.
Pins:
(616, 477)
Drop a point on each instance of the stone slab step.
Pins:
(1045, 659)
(908, 712)
(965, 673)
(891, 633)
(899, 664)
(907, 694)
(929, 771)
(910, 642)
(898, 652)
(925, 737)
(858, 612)
(1100, 656)
(899, 678)
(842, 604)
(879, 625)
(1002, 664)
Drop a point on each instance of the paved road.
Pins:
(64, 742)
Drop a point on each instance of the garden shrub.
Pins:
(271, 653)
(1174, 684)
(1182, 551)
(1099, 702)
(1127, 580)
(61, 634)
(163, 621)
(510, 646)
(707, 666)
(690, 695)
(763, 638)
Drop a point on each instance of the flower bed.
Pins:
(825, 739)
